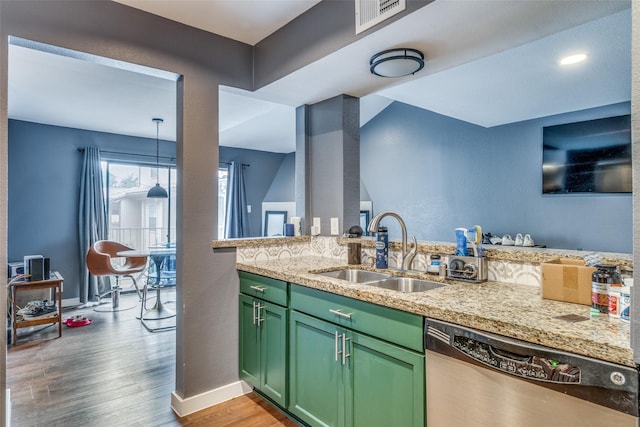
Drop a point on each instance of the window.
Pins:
(135, 220)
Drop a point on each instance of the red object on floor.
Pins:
(76, 321)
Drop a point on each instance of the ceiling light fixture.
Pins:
(397, 62)
(157, 192)
(573, 59)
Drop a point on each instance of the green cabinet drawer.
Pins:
(389, 324)
(265, 288)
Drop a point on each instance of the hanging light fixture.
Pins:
(397, 62)
(157, 192)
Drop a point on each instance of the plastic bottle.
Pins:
(434, 264)
(382, 248)
(625, 300)
(461, 242)
(601, 281)
(613, 291)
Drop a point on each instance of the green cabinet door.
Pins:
(273, 356)
(386, 385)
(263, 347)
(316, 393)
(249, 342)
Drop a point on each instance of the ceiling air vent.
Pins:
(372, 12)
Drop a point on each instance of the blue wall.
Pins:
(283, 186)
(44, 183)
(263, 167)
(440, 173)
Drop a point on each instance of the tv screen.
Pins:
(593, 156)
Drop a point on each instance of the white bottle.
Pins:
(625, 299)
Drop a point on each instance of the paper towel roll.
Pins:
(297, 225)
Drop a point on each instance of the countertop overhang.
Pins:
(516, 311)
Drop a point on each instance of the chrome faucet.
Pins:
(406, 259)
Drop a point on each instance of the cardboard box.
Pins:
(567, 279)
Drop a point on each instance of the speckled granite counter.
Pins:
(517, 311)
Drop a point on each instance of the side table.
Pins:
(55, 283)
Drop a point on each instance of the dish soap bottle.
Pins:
(461, 242)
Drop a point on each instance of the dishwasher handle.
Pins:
(510, 355)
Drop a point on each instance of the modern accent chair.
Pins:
(100, 263)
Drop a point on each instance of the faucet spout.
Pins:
(405, 261)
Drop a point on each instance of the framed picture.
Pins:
(274, 223)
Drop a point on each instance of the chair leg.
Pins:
(114, 305)
(157, 312)
(135, 285)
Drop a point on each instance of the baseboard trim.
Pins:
(183, 407)
(70, 302)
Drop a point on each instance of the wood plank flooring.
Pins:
(110, 373)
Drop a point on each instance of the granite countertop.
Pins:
(517, 311)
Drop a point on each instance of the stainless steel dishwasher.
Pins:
(480, 379)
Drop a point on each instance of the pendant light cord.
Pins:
(158, 121)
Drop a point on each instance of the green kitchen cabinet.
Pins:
(340, 377)
(263, 344)
(316, 391)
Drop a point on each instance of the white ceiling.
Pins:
(248, 21)
(499, 69)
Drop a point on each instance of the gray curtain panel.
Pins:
(237, 218)
(92, 220)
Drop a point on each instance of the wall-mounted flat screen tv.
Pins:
(593, 156)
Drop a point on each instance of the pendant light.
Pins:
(157, 192)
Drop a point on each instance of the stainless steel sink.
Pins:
(355, 276)
(382, 280)
(406, 284)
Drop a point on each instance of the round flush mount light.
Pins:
(573, 59)
(398, 62)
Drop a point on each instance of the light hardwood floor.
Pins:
(110, 373)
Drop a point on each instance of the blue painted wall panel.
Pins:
(440, 173)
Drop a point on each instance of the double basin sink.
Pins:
(382, 280)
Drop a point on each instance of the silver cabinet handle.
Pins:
(257, 288)
(258, 318)
(344, 348)
(341, 314)
(336, 345)
(253, 313)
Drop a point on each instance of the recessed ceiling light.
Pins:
(573, 59)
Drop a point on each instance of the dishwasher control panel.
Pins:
(534, 367)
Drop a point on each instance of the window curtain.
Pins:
(237, 218)
(92, 220)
